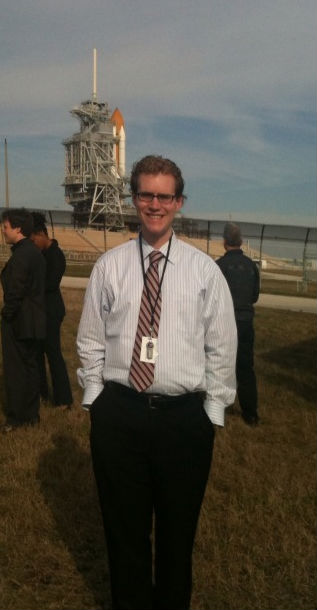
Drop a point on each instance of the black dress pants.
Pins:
(150, 458)
(246, 379)
(51, 346)
(21, 377)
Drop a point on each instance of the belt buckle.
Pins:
(152, 399)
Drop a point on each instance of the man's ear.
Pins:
(179, 202)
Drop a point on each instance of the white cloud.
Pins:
(226, 62)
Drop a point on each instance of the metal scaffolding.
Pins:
(94, 172)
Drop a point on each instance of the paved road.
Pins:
(287, 277)
(265, 300)
(74, 282)
(280, 276)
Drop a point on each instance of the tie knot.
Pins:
(155, 257)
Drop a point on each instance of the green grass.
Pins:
(255, 546)
(268, 286)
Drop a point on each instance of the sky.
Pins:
(225, 88)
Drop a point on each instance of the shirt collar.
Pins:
(234, 252)
(18, 244)
(147, 249)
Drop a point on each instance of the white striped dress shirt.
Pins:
(197, 338)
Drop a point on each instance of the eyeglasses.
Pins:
(161, 197)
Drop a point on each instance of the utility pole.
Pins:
(7, 202)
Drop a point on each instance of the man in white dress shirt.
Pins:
(155, 391)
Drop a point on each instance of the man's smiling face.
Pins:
(157, 216)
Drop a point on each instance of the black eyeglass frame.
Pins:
(161, 197)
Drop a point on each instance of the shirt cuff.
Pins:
(91, 393)
(216, 413)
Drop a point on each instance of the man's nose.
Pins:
(155, 202)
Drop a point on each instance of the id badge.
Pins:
(149, 351)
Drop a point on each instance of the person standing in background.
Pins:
(55, 312)
(23, 320)
(242, 275)
(157, 343)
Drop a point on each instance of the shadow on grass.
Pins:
(68, 486)
(297, 364)
(3, 398)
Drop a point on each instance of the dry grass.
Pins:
(255, 546)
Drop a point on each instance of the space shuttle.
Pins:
(119, 144)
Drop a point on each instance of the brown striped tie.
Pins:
(142, 373)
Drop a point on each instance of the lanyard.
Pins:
(161, 280)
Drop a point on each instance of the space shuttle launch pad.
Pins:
(95, 182)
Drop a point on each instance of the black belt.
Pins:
(155, 400)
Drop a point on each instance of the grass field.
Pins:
(256, 543)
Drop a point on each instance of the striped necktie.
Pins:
(142, 373)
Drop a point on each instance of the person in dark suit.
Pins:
(242, 275)
(55, 312)
(23, 320)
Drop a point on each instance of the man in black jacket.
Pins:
(242, 276)
(55, 312)
(23, 322)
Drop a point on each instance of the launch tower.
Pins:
(95, 164)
